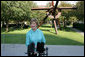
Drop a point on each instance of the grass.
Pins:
(65, 36)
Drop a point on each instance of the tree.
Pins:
(80, 10)
(65, 13)
(5, 12)
(63, 20)
(17, 11)
(79, 13)
(73, 19)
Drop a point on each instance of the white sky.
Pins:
(44, 2)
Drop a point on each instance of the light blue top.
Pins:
(34, 36)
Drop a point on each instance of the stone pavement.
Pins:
(53, 50)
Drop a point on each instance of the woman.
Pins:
(34, 35)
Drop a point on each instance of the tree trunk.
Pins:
(64, 23)
(51, 23)
(22, 25)
(58, 22)
(1, 24)
(17, 24)
(6, 26)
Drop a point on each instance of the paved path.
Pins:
(82, 33)
(53, 50)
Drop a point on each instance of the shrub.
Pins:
(79, 26)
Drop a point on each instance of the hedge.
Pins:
(79, 26)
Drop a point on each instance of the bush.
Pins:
(79, 26)
(68, 23)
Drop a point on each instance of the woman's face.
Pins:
(33, 25)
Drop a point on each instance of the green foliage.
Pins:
(39, 15)
(80, 6)
(79, 26)
(80, 10)
(79, 13)
(73, 19)
(17, 11)
(62, 18)
(64, 4)
(73, 15)
(65, 13)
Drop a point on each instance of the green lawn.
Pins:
(65, 36)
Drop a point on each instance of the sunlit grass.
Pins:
(64, 37)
